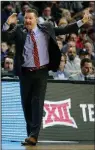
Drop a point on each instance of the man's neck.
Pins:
(32, 28)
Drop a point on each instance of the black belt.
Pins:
(33, 68)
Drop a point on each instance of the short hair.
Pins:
(32, 11)
(9, 56)
(24, 3)
(65, 57)
(4, 42)
(83, 61)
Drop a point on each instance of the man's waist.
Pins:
(34, 68)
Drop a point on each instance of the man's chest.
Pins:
(41, 38)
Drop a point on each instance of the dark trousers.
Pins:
(33, 87)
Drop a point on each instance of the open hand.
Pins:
(12, 19)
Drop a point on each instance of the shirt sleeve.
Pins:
(5, 27)
(79, 23)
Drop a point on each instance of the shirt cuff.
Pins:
(5, 26)
(80, 23)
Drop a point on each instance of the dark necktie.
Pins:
(35, 54)
(85, 78)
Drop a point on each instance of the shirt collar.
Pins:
(61, 72)
(35, 30)
(82, 75)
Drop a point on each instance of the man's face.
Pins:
(90, 22)
(62, 63)
(71, 44)
(8, 64)
(92, 36)
(30, 20)
(83, 36)
(4, 46)
(60, 44)
(24, 8)
(67, 14)
(9, 8)
(88, 46)
(73, 37)
(84, 56)
(47, 11)
(71, 53)
(87, 68)
(92, 6)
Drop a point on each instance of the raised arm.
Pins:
(73, 27)
(8, 31)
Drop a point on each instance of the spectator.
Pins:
(67, 45)
(7, 70)
(46, 16)
(81, 39)
(66, 13)
(89, 47)
(6, 11)
(4, 50)
(90, 23)
(83, 53)
(73, 37)
(92, 6)
(59, 42)
(73, 61)
(86, 71)
(61, 74)
(62, 22)
(92, 10)
(56, 11)
(8, 63)
(91, 36)
(24, 7)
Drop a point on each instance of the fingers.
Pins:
(14, 14)
(12, 19)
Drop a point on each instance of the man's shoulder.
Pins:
(17, 28)
(20, 25)
(46, 24)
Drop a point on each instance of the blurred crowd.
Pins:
(77, 49)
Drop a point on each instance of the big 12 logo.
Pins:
(58, 113)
